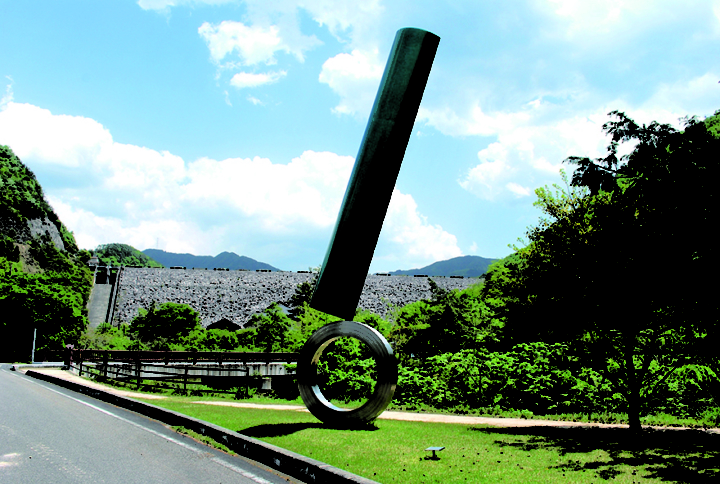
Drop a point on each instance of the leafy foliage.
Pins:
(8, 249)
(597, 260)
(271, 328)
(347, 370)
(448, 322)
(106, 337)
(124, 255)
(22, 197)
(162, 326)
(52, 302)
(302, 296)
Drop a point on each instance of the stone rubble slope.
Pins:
(237, 295)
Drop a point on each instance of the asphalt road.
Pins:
(51, 435)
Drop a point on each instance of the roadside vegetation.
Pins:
(43, 289)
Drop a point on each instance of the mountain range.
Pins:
(468, 266)
(227, 260)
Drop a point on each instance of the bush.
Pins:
(164, 326)
(52, 302)
(537, 377)
(346, 370)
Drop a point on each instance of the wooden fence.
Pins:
(219, 370)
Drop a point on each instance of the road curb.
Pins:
(290, 463)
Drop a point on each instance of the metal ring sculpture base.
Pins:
(386, 365)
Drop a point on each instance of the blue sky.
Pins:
(220, 125)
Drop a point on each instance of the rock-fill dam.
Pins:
(234, 296)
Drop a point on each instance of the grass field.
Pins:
(392, 451)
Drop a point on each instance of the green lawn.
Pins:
(392, 451)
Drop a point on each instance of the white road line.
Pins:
(239, 470)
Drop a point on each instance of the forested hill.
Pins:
(24, 212)
(468, 266)
(124, 255)
(227, 260)
(44, 279)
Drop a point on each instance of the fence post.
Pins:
(68, 356)
(137, 373)
(106, 359)
(185, 378)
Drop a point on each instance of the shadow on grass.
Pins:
(670, 455)
(283, 429)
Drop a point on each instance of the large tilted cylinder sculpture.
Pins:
(358, 226)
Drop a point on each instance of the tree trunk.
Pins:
(633, 388)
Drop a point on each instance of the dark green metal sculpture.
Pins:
(358, 226)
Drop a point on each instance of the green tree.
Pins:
(271, 329)
(106, 337)
(447, 322)
(53, 299)
(53, 303)
(22, 197)
(124, 255)
(218, 340)
(595, 272)
(165, 325)
(303, 294)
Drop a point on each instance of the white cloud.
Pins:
(134, 194)
(351, 18)
(280, 198)
(473, 122)
(613, 21)
(76, 142)
(473, 248)
(532, 141)
(355, 77)
(518, 190)
(8, 97)
(484, 179)
(255, 100)
(148, 189)
(91, 230)
(163, 5)
(254, 44)
(157, 4)
(272, 27)
(246, 79)
(531, 144)
(699, 95)
(415, 242)
(66, 140)
(358, 19)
